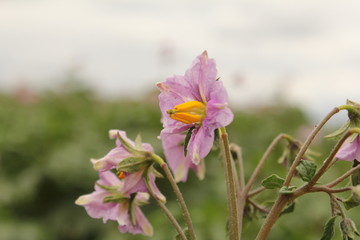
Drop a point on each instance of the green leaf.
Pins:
(187, 234)
(289, 209)
(287, 190)
(132, 164)
(187, 139)
(354, 199)
(272, 182)
(329, 230)
(306, 170)
(351, 202)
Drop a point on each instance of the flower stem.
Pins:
(306, 145)
(273, 215)
(329, 160)
(343, 177)
(180, 200)
(167, 212)
(239, 158)
(283, 199)
(234, 221)
(262, 162)
(256, 191)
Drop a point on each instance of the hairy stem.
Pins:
(273, 215)
(329, 190)
(283, 199)
(234, 220)
(167, 212)
(329, 160)
(178, 194)
(306, 145)
(261, 163)
(239, 158)
(343, 177)
(256, 191)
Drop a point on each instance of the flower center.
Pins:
(188, 112)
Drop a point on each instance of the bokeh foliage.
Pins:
(46, 143)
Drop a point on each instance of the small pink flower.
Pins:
(197, 100)
(109, 201)
(133, 182)
(350, 150)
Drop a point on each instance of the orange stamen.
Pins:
(188, 112)
(121, 175)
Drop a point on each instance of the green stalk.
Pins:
(234, 226)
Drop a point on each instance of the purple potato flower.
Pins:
(180, 164)
(134, 181)
(112, 201)
(196, 100)
(350, 150)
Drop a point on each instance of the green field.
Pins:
(47, 140)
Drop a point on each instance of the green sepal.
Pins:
(110, 189)
(133, 164)
(216, 137)
(348, 229)
(306, 170)
(329, 229)
(155, 172)
(287, 190)
(289, 153)
(272, 182)
(128, 146)
(117, 198)
(138, 142)
(340, 131)
(187, 139)
(354, 113)
(187, 234)
(132, 205)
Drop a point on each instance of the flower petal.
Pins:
(200, 76)
(350, 150)
(95, 207)
(134, 182)
(200, 143)
(156, 190)
(217, 115)
(111, 159)
(174, 153)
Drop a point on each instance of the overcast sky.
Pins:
(306, 51)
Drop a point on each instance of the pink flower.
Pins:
(179, 163)
(350, 150)
(134, 181)
(118, 153)
(110, 201)
(196, 100)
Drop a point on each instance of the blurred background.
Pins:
(71, 70)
